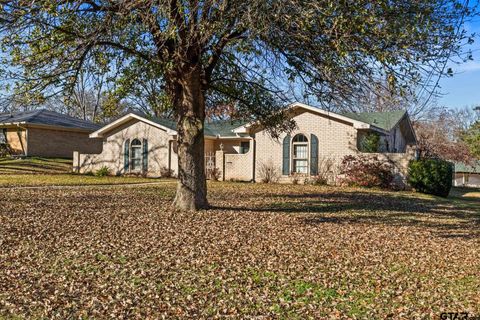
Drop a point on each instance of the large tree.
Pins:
(253, 53)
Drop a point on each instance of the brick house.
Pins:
(44, 133)
(135, 144)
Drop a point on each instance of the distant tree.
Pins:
(440, 137)
(471, 137)
(223, 52)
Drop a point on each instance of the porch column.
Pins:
(220, 161)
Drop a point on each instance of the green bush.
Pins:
(432, 176)
(370, 143)
(103, 172)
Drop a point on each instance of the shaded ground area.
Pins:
(30, 180)
(34, 171)
(277, 251)
(35, 165)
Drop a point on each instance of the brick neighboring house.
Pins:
(44, 133)
(467, 175)
(134, 144)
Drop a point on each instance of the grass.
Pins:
(35, 165)
(272, 251)
(34, 171)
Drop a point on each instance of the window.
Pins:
(136, 155)
(300, 154)
(244, 146)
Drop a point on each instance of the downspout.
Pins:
(254, 146)
(169, 156)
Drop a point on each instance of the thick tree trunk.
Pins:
(190, 105)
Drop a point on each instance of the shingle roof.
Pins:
(222, 128)
(462, 167)
(47, 118)
(383, 120)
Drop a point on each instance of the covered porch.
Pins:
(230, 158)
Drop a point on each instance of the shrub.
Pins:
(366, 171)
(317, 180)
(5, 150)
(268, 173)
(166, 173)
(326, 171)
(295, 178)
(432, 176)
(215, 174)
(102, 172)
(370, 143)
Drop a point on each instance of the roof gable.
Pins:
(212, 129)
(358, 124)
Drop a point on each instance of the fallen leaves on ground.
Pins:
(266, 251)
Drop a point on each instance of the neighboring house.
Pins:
(135, 144)
(467, 175)
(46, 133)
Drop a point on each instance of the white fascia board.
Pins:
(4, 124)
(99, 133)
(230, 137)
(242, 129)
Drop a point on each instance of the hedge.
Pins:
(431, 176)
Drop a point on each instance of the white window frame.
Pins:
(132, 159)
(294, 159)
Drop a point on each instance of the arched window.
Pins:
(136, 155)
(300, 154)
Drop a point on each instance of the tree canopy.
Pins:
(255, 55)
(472, 138)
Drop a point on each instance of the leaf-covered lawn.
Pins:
(30, 180)
(266, 251)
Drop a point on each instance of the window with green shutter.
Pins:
(300, 154)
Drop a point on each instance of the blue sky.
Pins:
(463, 89)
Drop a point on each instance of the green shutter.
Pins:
(314, 155)
(286, 155)
(145, 155)
(126, 156)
